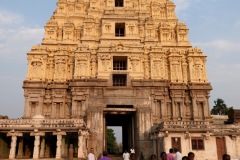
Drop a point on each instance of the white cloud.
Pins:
(15, 44)
(182, 4)
(15, 37)
(221, 45)
(9, 19)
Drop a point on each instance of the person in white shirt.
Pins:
(178, 155)
(132, 150)
(91, 155)
(126, 155)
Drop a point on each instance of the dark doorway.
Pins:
(5, 143)
(122, 116)
(221, 148)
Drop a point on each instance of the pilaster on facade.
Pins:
(83, 135)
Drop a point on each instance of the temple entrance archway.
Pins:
(122, 116)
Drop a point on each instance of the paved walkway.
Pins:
(115, 157)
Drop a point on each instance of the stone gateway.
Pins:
(125, 63)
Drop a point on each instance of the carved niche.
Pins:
(158, 66)
(36, 67)
(196, 69)
(89, 30)
(51, 30)
(156, 9)
(62, 7)
(197, 66)
(165, 32)
(82, 66)
(150, 32)
(131, 29)
(175, 66)
(79, 8)
(60, 70)
(68, 31)
(182, 32)
(135, 63)
(170, 10)
(104, 62)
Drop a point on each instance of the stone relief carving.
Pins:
(60, 69)
(36, 67)
(105, 62)
(135, 62)
(175, 69)
(93, 65)
(82, 65)
(158, 68)
(197, 69)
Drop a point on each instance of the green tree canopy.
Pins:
(111, 141)
(220, 108)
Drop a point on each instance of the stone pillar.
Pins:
(70, 151)
(42, 148)
(37, 135)
(82, 135)
(59, 135)
(20, 149)
(14, 136)
(63, 148)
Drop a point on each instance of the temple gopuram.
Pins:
(126, 63)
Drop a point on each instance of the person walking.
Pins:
(126, 155)
(91, 155)
(178, 155)
(132, 150)
(163, 156)
(105, 156)
(132, 156)
(226, 157)
(184, 158)
(191, 156)
(170, 155)
(153, 157)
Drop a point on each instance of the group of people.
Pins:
(131, 155)
(91, 155)
(174, 154)
(126, 155)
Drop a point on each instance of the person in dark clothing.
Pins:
(226, 157)
(105, 156)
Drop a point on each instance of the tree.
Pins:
(111, 141)
(220, 108)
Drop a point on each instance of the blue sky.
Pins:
(214, 26)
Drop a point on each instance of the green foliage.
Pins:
(111, 141)
(220, 108)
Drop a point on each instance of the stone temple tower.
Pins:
(125, 63)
